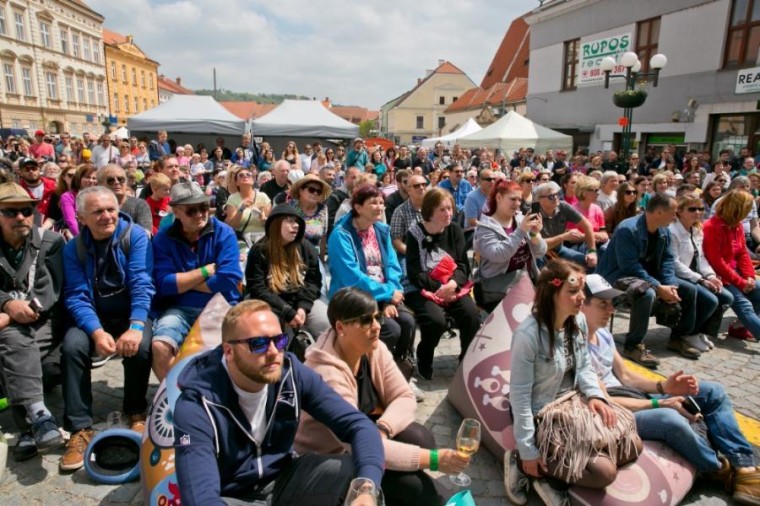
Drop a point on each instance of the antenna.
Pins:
(214, 83)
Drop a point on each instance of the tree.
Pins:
(366, 128)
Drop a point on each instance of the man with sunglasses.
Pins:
(114, 178)
(236, 419)
(195, 258)
(398, 197)
(476, 201)
(169, 166)
(31, 277)
(39, 188)
(108, 291)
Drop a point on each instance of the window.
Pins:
(113, 70)
(454, 99)
(45, 33)
(151, 81)
(123, 72)
(647, 37)
(142, 78)
(126, 104)
(145, 104)
(441, 100)
(70, 89)
(26, 78)
(3, 29)
(570, 72)
(51, 79)
(75, 45)
(115, 102)
(152, 103)
(134, 76)
(10, 78)
(91, 92)
(137, 104)
(743, 37)
(64, 40)
(80, 90)
(420, 122)
(20, 32)
(101, 95)
(86, 46)
(96, 51)
(441, 122)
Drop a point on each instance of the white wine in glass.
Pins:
(468, 442)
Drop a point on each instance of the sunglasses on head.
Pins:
(113, 180)
(260, 344)
(199, 209)
(12, 212)
(366, 320)
(313, 190)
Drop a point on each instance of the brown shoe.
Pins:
(723, 476)
(684, 348)
(747, 488)
(137, 422)
(73, 455)
(642, 356)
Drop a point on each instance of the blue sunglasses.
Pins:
(260, 345)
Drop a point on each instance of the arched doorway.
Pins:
(55, 127)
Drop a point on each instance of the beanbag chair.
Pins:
(480, 390)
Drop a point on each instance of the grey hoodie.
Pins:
(496, 248)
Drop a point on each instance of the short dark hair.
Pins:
(362, 194)
(432, 200)
(349, 303)
(659, 201)
(401, 174)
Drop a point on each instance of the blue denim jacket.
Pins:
(536, 378)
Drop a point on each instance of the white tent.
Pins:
(121, 133)
(304, 118)
(470, 127)
(514, 131)
(189, 114)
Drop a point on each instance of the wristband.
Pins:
(590, 251)
(655, 403)
(660, 389)
(533, 234)
(137, 326)
(434, 460)
(204, 272)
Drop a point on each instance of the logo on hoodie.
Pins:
(184, 440)
(288, 398)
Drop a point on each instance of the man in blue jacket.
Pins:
(107, 290)
(236, 419)
(195, 258)
(640, 249)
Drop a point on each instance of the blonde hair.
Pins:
(584, 184)
(687, 200)
(286, 269)
(662, 176)
(230, 321)
(159, 180)
(734, 206)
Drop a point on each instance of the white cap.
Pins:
(597, 286)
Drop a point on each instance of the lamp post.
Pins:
(630, 97)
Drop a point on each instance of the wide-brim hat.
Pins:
(187, 193)
(13, 193)
(307, 179)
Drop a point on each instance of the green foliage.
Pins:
(365, 127)
(242, 96)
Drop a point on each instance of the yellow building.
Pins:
(132, 77)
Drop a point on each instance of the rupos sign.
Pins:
(748, 81)
(592, 52)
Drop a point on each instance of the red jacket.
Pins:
(44, 203)
(726, 250)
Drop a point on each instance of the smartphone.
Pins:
(691, 406)
(535, 208)
(35, 305)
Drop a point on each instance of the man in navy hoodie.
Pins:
(237, 415)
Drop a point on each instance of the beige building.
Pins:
(132, 77)
(168, 88)
(418, 113)
(51, 59)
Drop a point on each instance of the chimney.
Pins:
(428, 72)
(179, 81)
(130, 39)
(441, 62)
(419, 80)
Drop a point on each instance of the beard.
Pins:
(258, 374)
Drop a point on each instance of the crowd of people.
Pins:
(357, 248)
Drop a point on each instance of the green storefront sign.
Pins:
(666, 139)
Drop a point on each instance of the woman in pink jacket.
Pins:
(351, 358)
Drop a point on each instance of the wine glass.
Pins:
(363, 488)
(468, 441)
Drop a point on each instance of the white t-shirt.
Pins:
(254, 405)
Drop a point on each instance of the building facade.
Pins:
(132, 77)
(51, 57)
(708, 93)
(418, 113)
(168, 88)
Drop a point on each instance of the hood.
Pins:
(206, 375)
(286, 210)
(323, 353)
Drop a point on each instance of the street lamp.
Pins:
(631, 97)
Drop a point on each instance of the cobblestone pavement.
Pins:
(37, 481)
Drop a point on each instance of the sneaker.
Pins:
(706, 339)
(684, 348)
(740, 333)
(516, 483)
(696, 342)
(551, 496)
(418, 394)
(747, 488)
(25, 447)
(98, 361)
(137, 422)
(46, 433)
(642, 356)
(73, 456)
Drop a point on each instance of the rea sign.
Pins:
(748, 81)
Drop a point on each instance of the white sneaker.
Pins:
(549, 495)
(418, 394)
(707, 341)
(516, 483)
(696, 342)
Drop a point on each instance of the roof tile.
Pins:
(511, 58)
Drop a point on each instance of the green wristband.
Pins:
(655, 403)
(204, 272)
(434, 460)
(591, 251)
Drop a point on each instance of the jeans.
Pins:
(670, 427)
(174, 325)
(77, 352)
(579, 257)
(710, 309)
(641, 310)
(687, 291)
(747, 308)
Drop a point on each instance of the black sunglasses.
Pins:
(695, 209)
(192, 211)
(366, 320)
(489, 179)
(260, 344)
(631, 192)
(313, 190)
(112, 180)
(417, 186)
(12, 212)
(244, 174)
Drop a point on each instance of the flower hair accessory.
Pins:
(572, 280)
(556, 282)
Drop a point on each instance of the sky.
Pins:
(355, 53)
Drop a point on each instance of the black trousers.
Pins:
(398, 333)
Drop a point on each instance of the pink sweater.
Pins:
(395, 396)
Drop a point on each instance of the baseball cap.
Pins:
(597, 286)
(13, 193)
(39, 133)
(187, 193)
(27, 161)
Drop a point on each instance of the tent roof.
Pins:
(470, 127)
(304, 118)
(188, 114)
(514, 131)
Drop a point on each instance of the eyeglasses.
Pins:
(528, 180)
(172, 166)
(631, 192)
(113, 180)
(69, 174)
(366, 320)
(721, 180)
(488, 179)
(313, 190)
(192, 211)
(553, 196)
(260, 344)
(419, 186)
(696, 209)
(458, 172)
(30, 168)
(12, 212)
(244, 174)
(595, 190)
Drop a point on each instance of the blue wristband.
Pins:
(137, 326)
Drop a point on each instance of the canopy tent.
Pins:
(304, 118)
(514, 131)
(470, 127)
(188, 114)
(121, 133)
